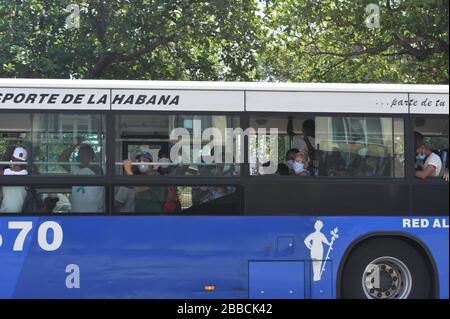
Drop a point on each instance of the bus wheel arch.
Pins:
(415, 244)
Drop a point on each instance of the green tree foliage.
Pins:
(274, 40)
(339, 41)
(130, 39)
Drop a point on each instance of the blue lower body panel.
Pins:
(277, 280)
(177, 256)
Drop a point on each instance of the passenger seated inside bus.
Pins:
(297, 163)
(124, 199)
(201, 195)
(214, 200)
(163, 158)
(362, 164)
(13, 197)
(428, 164)
(290, 155)
(149, 199)
(84, 199)
(300, 166)
(336, 165)
(56, 203)
(50, 204)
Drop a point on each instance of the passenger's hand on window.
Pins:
(127, 166)
(446, 175)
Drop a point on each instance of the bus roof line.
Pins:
(225, 86)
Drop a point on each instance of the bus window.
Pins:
(431, 145)
(15, 131)
(173, 200)
(176, 145)
(331, 146)
(56, 144)
(43, 200)
(69, 144)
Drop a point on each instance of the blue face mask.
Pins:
(290, 164)
(420, 157)
(298, 167)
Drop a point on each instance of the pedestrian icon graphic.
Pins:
(315, 242)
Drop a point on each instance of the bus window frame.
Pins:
(110, 180)
(411, 172)
(104, 113)
(67, 183)
(241, 204)
(309, 179)
(114, 113)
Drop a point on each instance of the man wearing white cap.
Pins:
(14, 196)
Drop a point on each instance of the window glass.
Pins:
(433, 134)
(40, 200)
(329, 146)
(15, 131)
(54, 144)
(178, 145)
(172, 200)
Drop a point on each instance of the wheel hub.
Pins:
(386, 278)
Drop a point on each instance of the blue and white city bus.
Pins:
(123, 189)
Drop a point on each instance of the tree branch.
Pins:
(111, 57)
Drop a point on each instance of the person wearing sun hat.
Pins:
(14, 196)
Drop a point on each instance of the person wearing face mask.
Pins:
(432, 163)
(125, 196)
(163, 158)
(299, 166)
(290, 155)
(14, 196)
(151, 199)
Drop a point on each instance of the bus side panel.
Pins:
(177, 257)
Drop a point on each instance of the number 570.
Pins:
(25, 228)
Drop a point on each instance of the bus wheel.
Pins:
(385, 268)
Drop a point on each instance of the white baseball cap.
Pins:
(20, 154)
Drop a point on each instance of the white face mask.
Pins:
(143, 168)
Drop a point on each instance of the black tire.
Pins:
(364, 253)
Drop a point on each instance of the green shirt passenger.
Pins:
(147, 199)
(150, 200)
